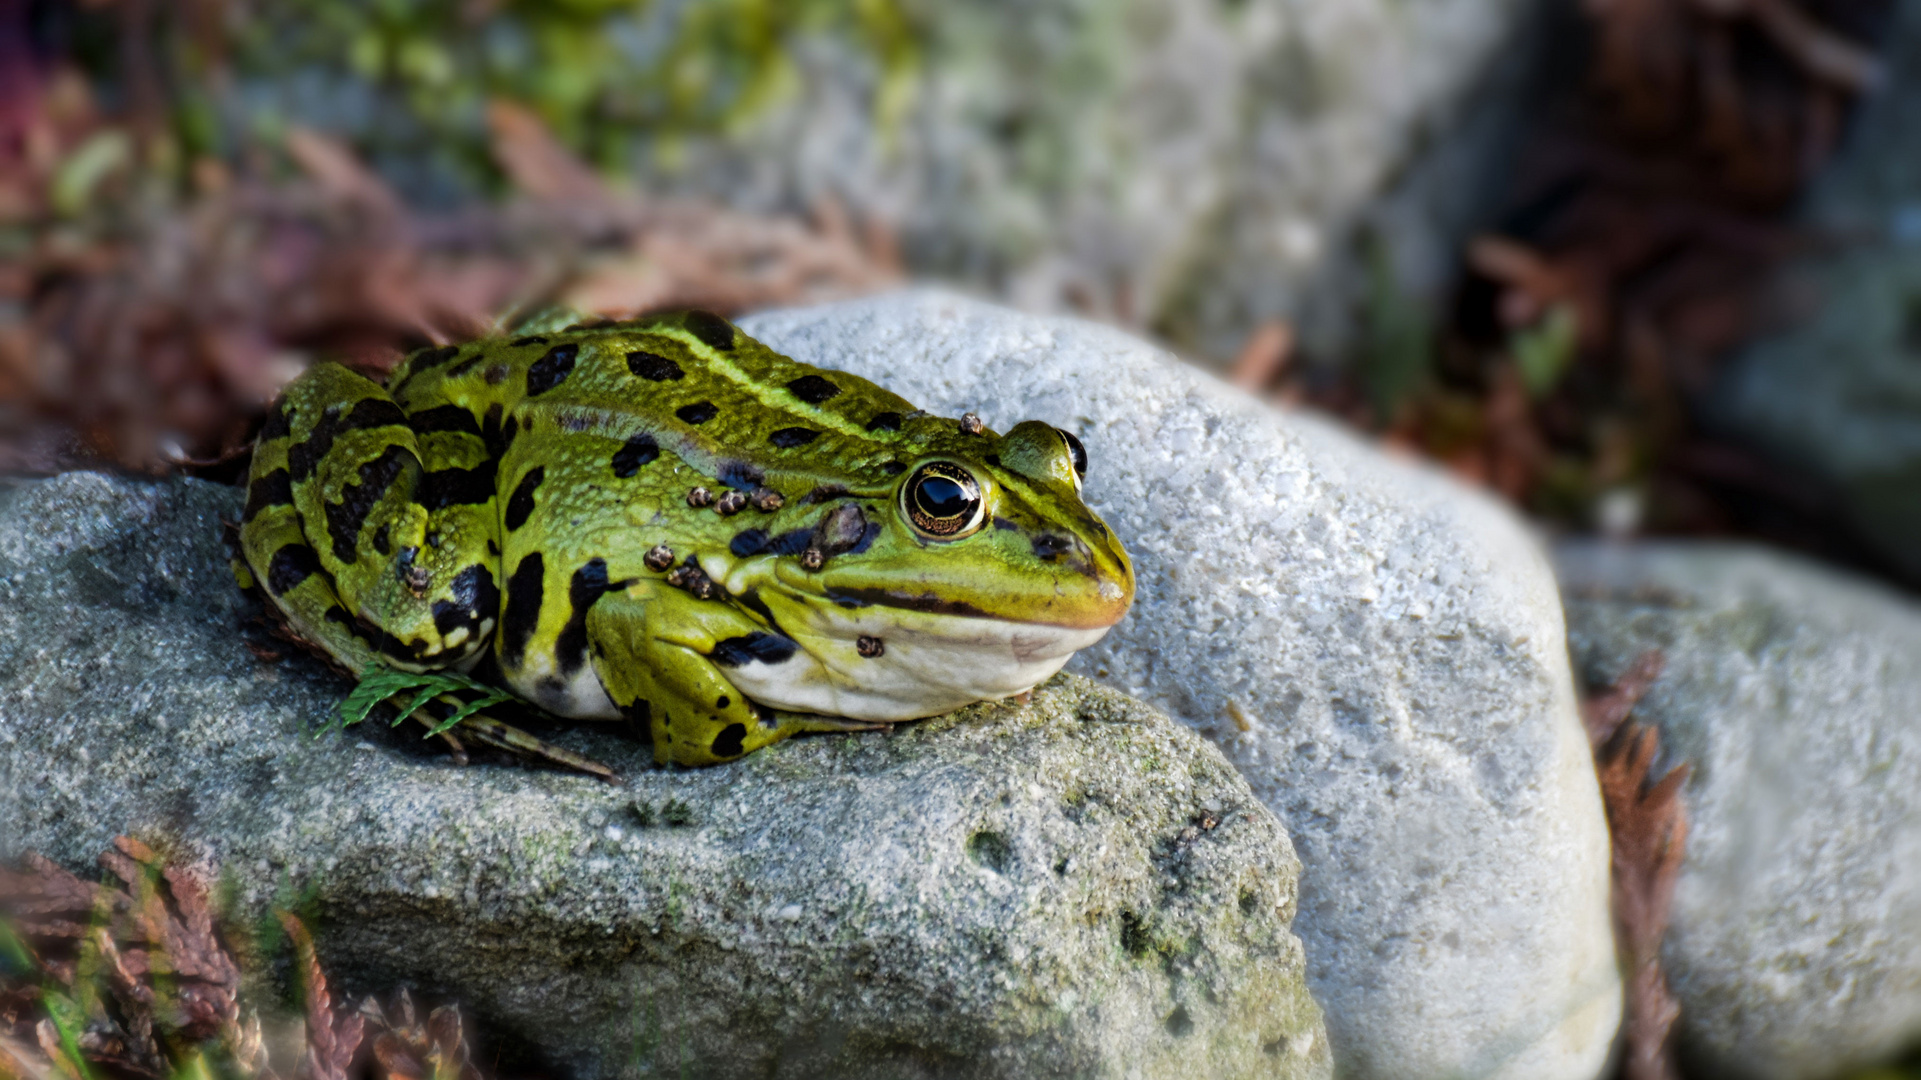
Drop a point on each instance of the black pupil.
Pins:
(1076, 451)
(942, 498)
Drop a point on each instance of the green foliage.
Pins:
(1544, 352)
(1399, 354)
(381, 684)
(1566, 489)
(69, 1019)
(409, 80)
(265, 935)
(14, 958)
(127, 978)
(83, 170)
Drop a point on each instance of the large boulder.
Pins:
(1795, 947)
(1837, 399)
(1075, 887)
(1377, 648)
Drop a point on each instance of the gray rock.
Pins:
(1838, 398)
(1195, 167)
(1379, 650)
(1079, 887)
(1795, 948)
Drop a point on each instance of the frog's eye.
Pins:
(942, 500)
(1077, 453)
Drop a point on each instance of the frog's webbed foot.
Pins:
(810, 724)
(445, 702)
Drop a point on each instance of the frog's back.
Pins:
(603, 444)
(714, 398)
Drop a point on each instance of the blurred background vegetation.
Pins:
(1517, 238)
(407, 83)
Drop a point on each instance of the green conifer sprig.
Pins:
(382, 684)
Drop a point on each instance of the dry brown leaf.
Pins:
(45, 888)
(19, 1061)
(1515, 448)
(332, 1039)
(1263, 356)
(48, 1038)
(156, 973)
(1603, 713)
(339, 171)
(1652, 202)
(1819, 51)
(1647, 827)
(131, 1044)
(538, 163)
(159, 344)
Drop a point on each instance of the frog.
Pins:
(664, 521)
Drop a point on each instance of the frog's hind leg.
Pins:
(660, 654)
(370, 554)
(300, 588)
(476, 727)
(278, 565)
(395, 522)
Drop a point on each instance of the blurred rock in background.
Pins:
(1190, 168)
(1836, 400)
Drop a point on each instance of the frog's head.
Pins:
(975, 573)
(997, 532)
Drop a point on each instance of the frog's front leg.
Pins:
(662, 656)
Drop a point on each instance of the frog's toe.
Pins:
(501, 736)
(729, 741)
(807, 723)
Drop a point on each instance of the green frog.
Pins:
(665, 520)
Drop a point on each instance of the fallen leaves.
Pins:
(151, 332)
(1648, 827)
(1603, 714)
(136, 981)
(1674, 64)
(1264, 356)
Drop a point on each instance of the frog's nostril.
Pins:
(1051, 546)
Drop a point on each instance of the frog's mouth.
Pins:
(930, 603)
(893, 663)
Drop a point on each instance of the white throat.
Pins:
(926, 664)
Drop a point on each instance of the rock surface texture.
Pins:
(1197, 167)
(1793, 690)
(1379, 650)
(1078, 887)
(1839, 396)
